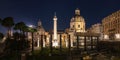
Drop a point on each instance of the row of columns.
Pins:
(85, 42)
(40, 42)
(43, 37)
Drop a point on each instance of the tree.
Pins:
(1, 36)
(25, 30)
(32, 30)
(21, 27)
(60, 44)
(8, 22)
(16, 35)
(69, 42)
(0, 20)
(51, 43)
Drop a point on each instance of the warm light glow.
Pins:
(43, 43)
(47, 39)
(55, 43)
(55, 30)
(117, 36)
(66, 43)
(82, 43)
(55, 18)
(106, 37)
(38, 45)
(4, 38)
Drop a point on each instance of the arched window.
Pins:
(78, 26)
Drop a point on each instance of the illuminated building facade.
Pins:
(87, 41)
(111, 26)
(73, 37)
(96, 28)
(38, 36)
(77, 23)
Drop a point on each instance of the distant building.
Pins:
(111, 26)
(96, 28)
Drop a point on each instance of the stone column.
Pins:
(55, 42)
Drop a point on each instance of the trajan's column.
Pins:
(55, 42)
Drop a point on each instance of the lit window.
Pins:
(117, 36)
(106, 37)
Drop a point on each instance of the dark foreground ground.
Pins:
(106, 51)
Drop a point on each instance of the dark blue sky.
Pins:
(30, 11)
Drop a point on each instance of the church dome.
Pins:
(77, 23)
(40, 28)
(72, 20)
(77, 17)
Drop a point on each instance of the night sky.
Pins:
(30, 11)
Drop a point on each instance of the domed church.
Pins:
(77, 23)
